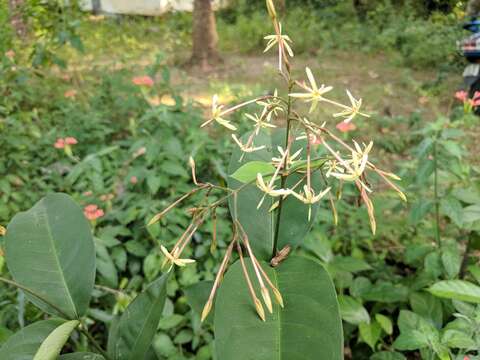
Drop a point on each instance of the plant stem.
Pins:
(83, 329)
(468, 246)
(435, 191)
(284, 177)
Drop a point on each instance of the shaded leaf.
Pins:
(133, 335)
(197, 296)
(49, 249)
(309, 324)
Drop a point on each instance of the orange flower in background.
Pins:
(346, 126)
(70, 93)
(92, 212)
(133, 180)
(10, 54)
(144, 80)
(59, 144)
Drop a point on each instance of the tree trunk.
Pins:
(473, 7)
(16, 17)
(361, 8)
(205, 36)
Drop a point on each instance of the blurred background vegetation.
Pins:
(68, 73)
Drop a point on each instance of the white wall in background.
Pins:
(143, 7)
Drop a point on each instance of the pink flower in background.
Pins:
(466, 358)
(59, 144)
(133, 180)
(315, 140)
(143, 81)
(88, 193)
(70, 140)
(10, 54)
(92, 212)
(461, 95)
(346, 127)
(70, 93)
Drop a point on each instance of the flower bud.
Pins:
(267, 299)
(278, 296)
(206, 310)
(259, 308)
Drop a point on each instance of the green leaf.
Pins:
(452, 208)
(452, 260)
(133, 335)
(197, 296)
(471, 213)
(370, 333)
(411, 340)
(456, 290)
(248, 172)
(53, 344)
(458, 339)
(427, 306)
(260, 224)
(50, 250)
(386, 355)
(24, 344)
(105, 266)
(352, 311)
(385, 323)
(386, 292)
(81, 356)
(415, 332)
(419, 210)
(309, 324)
(350, 264)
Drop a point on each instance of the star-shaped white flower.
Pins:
(246, 148)
(269, 189)
(350, 112)
(261, 121)
(173, 259)
(280, 40)
(308, 197)
(355, 167)
(314, 94)
(217, 113)
(279, 161)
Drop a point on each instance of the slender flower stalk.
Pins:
(253, 295)
(218, 278)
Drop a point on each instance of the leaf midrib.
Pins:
(57, 260)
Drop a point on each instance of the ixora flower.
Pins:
(71, 140)
(281, 40)
(92, 212)
(70, 93)
(65, 143)
(461, 95)
(345, 126)
(144, 80)
(173, 259)
(308, 197)
(314, 94)
(351, 111)
(217, 114)
(59, 144)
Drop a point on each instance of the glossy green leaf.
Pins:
(81, 356)
(53, 344)
(385, 323)
(24, 344)
(370, 333)
(352, 311)
(49, 249)
(260, 224)
(248, 172)
(456, 290)
(309, 324)
(133, 335)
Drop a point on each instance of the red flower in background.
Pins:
(144, 80)
(92, 212)
(346, 126)
(70, 93)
